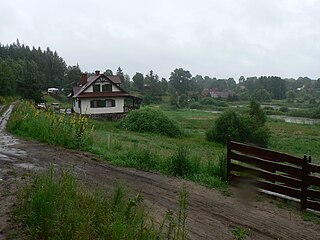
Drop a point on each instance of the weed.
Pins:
(180, 164)
(309, 216)
(240, 233)
(47, 126)
(60, 208)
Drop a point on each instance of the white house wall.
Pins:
(86, 109)
(90, 88)
(75, 106)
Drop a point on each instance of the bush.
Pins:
(261, 136)
(207, 101)
(229, 126)
(195, 105)
(256, 114)
(151, 120)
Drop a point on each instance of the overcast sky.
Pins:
(217, 38)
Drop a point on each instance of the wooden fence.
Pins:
(275, 172)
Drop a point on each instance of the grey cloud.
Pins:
(208, 37)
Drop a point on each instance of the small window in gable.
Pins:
(107, 88)
(96, 87)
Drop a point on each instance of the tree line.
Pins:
(25, 71)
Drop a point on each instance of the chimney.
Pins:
(83, 79)
(97, 72)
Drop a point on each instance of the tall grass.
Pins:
(181, 163)
(47, 126)
(61, 208)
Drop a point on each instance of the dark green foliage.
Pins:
(257, 114)
(195, 105)
(180, 80)
(180, 164)
(207, 101)
(148, 99)
(183, 100)
(262, 95)
(26, 72)
(213, 102)
(260, 136)
(138, 82)
(151, 120)
(232, 126)
(229, 126)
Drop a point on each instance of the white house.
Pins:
(102, 95)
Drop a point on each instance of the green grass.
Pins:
(240, 233)
(295, 139)
(58, 98)
(62, 208)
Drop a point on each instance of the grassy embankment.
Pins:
(62, 208)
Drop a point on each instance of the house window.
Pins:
(96, 87)
(98, 103)
(110, 103)
(102, 103)
(107, 88)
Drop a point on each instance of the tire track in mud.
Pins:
(210, 214)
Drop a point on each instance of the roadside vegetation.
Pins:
(47, 126)
(60, 207)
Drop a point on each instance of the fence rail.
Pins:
(275, 172)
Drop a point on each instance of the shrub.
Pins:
(207, 101)
(232, 126)
(195, 105)
(151, 120)
(261, 136)
(256, 114)
(229, 126)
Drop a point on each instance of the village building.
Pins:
(101, 96)
(214, 93)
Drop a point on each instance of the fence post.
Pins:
(304, 185)
(228, 161)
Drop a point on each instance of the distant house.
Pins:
(214, 93)
(101, 96)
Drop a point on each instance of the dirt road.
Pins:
(211, 215)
